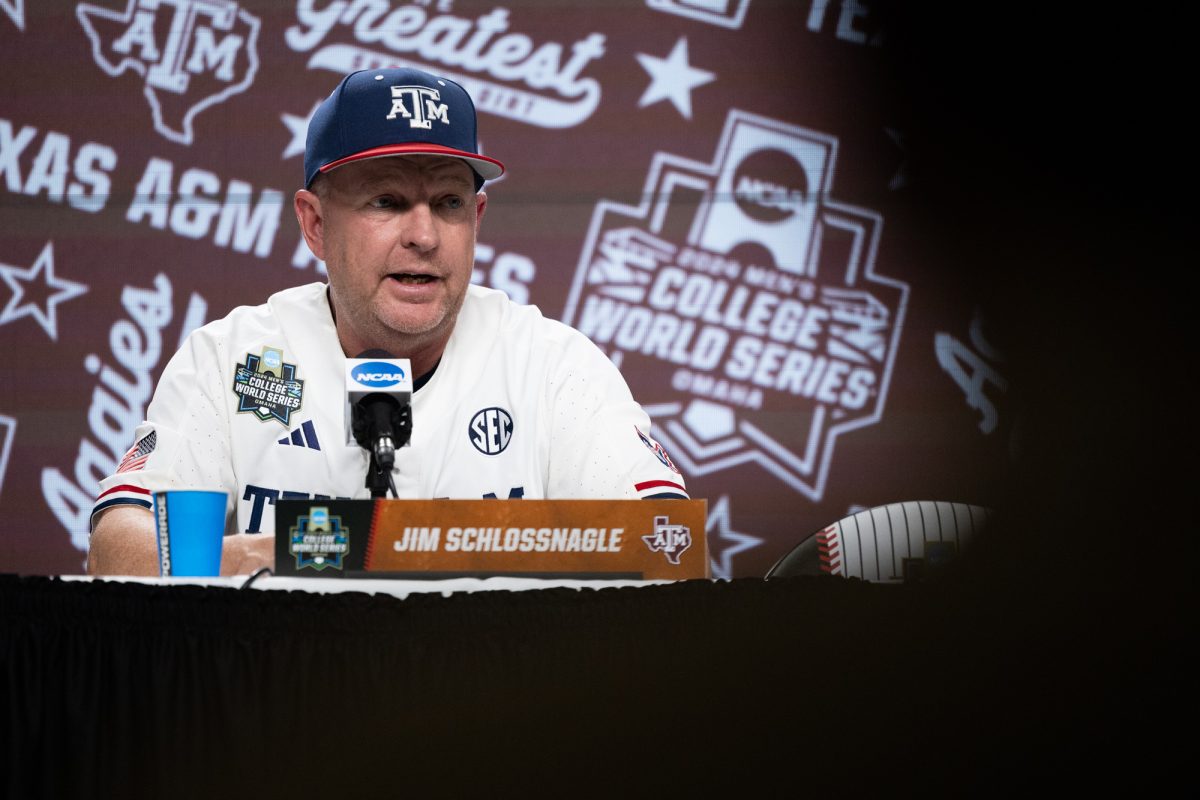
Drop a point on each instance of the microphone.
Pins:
(379, 412)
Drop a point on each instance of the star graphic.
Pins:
(16, 12)
(672, 78)
(718, 518)
(39, 278)
(299, 129)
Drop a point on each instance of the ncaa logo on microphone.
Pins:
(378, 375)
(491, 430)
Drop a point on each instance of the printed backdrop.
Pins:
(715, 191)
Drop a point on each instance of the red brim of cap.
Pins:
(488, 168)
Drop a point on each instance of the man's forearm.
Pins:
(123, 543)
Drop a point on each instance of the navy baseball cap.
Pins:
(395, 112)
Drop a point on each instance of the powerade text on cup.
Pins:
(164, 536)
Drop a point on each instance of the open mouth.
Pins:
(409, 278)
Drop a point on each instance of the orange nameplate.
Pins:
(633, 539)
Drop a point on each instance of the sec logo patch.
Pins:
(491, 430)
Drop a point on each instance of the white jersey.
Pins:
(572, 429)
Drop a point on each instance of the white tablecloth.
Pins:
(396, 588)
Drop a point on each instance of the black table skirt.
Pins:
(131, 690)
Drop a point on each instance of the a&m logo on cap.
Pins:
(420, 105)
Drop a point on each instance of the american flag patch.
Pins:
(135, 459)
(657, 449)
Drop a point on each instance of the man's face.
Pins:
(397, 235)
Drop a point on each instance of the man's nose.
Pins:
(419, 230)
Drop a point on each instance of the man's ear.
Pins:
(480, 206)
(312, 221)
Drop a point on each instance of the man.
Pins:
(253, 404)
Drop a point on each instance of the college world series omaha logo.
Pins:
(191, 54)
(319, 540)
(748, 302)
(267, 387)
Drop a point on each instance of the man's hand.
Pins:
(245, 553)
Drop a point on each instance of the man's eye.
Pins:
(383, 202)
(453, 202)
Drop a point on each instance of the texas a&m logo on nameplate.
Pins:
(742, 302)
(669, 539)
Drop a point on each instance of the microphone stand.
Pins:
(377, 419)
(379, 471)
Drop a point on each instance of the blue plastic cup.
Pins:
(191, 528)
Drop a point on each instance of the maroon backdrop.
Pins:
(716, 191)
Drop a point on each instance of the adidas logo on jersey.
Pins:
(304, 436)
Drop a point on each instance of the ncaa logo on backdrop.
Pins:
(747, 301)
(491, 430)
(190, 54)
